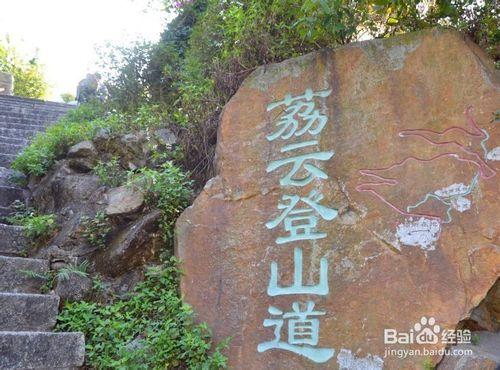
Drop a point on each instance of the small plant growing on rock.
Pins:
(428, 364)
(52, 276)
(475, 339)
(168, 189)
(96, 229)
(36, 227)
(111, 173)
(80, 270)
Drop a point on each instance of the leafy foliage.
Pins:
(211, 46)
(68, 97)
(110, 172)
(52, 276)
(80, 270)
(168, 189)
(77, 125)
(36, 227)
(96, 229)
(29, 80)
(152, 329)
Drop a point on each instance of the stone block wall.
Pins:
(21, 119)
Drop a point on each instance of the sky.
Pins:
(64, 33)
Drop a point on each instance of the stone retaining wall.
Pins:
(21, 119)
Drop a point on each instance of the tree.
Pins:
(29, 80)
(68, 97)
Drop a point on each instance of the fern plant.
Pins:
(51, 277)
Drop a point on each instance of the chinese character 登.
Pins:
(301, 223)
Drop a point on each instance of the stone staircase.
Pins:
(27, 317)
(21, 119)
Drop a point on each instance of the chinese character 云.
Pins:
(299, 162)
(303, 332)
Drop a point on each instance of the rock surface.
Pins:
(13, 241)
(82, 149)
(14, 277)
(28, 312)
(370, 161)
(485, 355)
(74, 288)
(124, 200)
(41, 350)
(134, 246)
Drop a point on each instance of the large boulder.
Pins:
(356, 197)
(138, 244)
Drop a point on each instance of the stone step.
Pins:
(22, 106)
(13, 242)
(39, 350)
(19, 126)
(6, 159)
(6, 147)
(17, 133)
(7, 176)
(4, 212)
(13, 140)
(28, 312)
(9, 194)
(23, 120)
(15, 278)
(11, 150)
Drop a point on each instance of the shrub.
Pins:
(36, 227)
(152, 329)
(81, 124)
(96, 229)
(168, 189)
(46, 147)
(110, 172)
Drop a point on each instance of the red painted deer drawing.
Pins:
(463, 150)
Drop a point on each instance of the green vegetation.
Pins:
(36, 227)
(428, 364)
(110, 172)
(168, 189)
(211, 46)
(152, 329)
(96, 229)
(61, 274)
(28, 75)
(68, 97)
(475, 339)
(79, 124)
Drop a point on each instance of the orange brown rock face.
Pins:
(403, 214)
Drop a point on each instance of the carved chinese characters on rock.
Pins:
(297, 129)
(356, 192)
